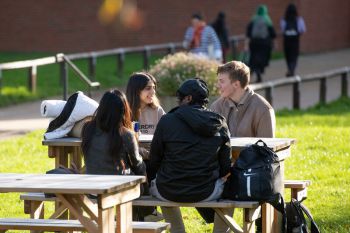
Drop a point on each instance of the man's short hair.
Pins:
(237, 71)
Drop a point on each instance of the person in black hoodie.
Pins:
(190, 153)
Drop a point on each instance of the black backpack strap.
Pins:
(314, 227)
(260, 141)
(277, 202)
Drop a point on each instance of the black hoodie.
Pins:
(189, 152)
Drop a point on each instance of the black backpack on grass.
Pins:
(296, 222)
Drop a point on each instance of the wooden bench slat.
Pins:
(297, 183)
(36, 197)
(71, 225)
(140, 227)
(152, 201)
(40, 224)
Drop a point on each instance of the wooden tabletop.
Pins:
(275, 144)
(67, 183)
(237, 143)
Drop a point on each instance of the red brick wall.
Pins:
(73, 26)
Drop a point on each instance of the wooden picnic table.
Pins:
(67, 150)
(71, 190)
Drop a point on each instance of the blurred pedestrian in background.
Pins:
(220, 28)
(292, 26)
(202, 39)
(260, 33)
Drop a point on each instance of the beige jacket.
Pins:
(253, 116)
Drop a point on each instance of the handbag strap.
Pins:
(314, 227)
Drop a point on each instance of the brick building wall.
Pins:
(73, 26)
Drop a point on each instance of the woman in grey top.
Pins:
(108, 142)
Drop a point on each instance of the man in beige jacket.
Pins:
(247, 113)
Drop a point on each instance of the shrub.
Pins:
(173, 69)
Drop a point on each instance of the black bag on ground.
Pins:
(296, 222)
(256, 176)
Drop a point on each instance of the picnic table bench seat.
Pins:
(298, 188)
(71, 225)
(251, 210)
(33, 205)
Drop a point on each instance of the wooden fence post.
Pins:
(92, 68)
(269, 94)
(323, 90)
(0, 81)
(64, 78)
(171, 49)
(120, 64)
(344, 84)
(146, 57)
(296, 93)
(32, 78)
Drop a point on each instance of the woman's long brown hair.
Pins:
(113, 117)
(137, 82)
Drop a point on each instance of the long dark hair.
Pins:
(219, 23)
(137, 82)
(112, 117)
(291, 13)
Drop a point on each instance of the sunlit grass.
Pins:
(322, 155)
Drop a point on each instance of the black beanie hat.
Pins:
(195, 87)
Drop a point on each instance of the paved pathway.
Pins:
(20, 119)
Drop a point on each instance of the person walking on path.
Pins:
(201, 39)
(220, 28)
(260, 33)
(292, 26)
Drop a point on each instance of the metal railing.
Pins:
(60, 58)
(120, 53)
(297, 81)
(147, 50)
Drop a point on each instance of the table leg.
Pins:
(267, 218)
(106, 220)
(124, 218)
(249, 221)
(75, 209)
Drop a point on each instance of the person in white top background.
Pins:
(292, 26)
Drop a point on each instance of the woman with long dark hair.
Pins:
(292, 27)
(145, 108)
(108, 141)
(220, 28)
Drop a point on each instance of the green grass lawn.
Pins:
(322, 154)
